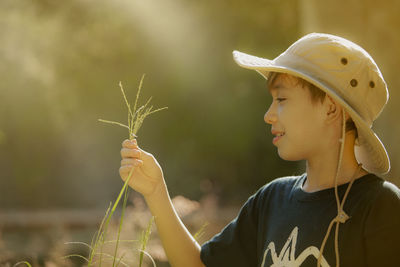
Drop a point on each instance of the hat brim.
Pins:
(369, 149)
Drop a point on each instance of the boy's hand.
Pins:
(147, 178)
(147, 174)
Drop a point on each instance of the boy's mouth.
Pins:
(278, 136)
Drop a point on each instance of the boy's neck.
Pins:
(321, 169)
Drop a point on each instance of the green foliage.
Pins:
(84, 47)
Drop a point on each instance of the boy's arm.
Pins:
(179, 245)
(147, 178)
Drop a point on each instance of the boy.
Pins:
(326, 91)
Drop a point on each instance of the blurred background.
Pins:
(60, 65)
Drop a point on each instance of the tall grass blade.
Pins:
(145, 240)
(120, 223)
(110, 257)
(77, 256)
(79, 243)
(104, 233)
(23, 262)
(148, 255)
(99, 235)
(120, 259)
(200, 232)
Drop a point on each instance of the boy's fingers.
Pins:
(131, 162)
(130, 153)
(124, 171)
(146, 156)
(130, 143)
(127, 161)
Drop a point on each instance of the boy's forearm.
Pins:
(181, 248)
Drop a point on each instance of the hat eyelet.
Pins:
(353, 82)
(344, 61)
(371, 84)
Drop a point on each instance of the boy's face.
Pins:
(297, 122)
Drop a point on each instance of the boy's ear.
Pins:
(333, 110)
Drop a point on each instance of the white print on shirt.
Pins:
(287, 255)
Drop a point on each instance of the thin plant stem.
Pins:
(79, 243)
(148, 255)
(200, 232)
(120, 259)
(145, 240)
(108, 256)
(120, 223)
(76, 255)
(114, 122)
(98, 236)
(112, 212)
(23, 262)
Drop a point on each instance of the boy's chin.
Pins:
(285, 155)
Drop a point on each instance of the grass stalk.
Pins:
(98, 235)
(113, 122)
(148, 255)
(120, 224)
(200, 232)
(145, 240)
(136, 118)
(104, 233)
(22, 262)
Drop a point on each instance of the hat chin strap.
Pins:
(341, 216)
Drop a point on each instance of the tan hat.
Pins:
(347, 73)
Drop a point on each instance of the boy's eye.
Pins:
(280, 99)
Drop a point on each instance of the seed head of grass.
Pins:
(136, 116)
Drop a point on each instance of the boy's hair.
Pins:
(315, 93)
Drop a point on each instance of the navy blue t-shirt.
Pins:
(282, 225)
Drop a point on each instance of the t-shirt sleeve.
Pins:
(236, 244)
(382, 228)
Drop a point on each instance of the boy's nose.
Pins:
(270, 116)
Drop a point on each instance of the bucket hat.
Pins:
(348, 74)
